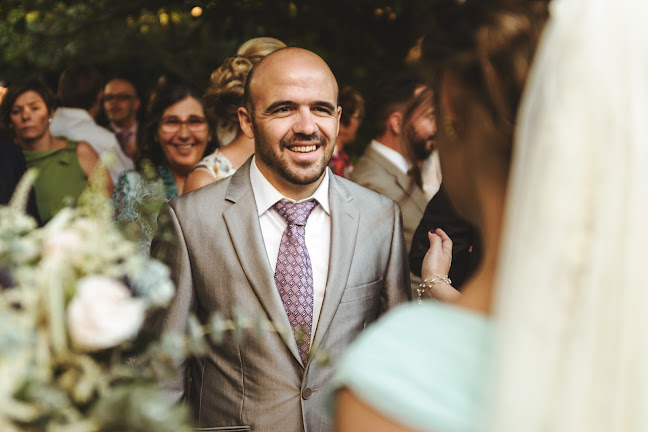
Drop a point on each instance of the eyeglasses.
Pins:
(119, 97)
(173, 124)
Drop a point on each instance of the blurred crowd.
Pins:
(144, 150)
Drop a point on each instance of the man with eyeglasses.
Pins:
(80, 91)
(121, 104)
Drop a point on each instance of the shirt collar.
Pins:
(266, 195)
(116, 128)
(393, 156)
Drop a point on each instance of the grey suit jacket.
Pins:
(219, 262)
(376, 172)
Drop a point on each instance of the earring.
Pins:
(449, 127)
(50, 120)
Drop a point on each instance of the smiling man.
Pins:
(284, 239)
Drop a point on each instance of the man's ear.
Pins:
(339, 116)
(245, 120)
(395, 123)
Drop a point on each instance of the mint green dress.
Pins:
(423, 366)
(60, 179)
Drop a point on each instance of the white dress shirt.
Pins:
(77, 125)
(431, 174)
(392, 155)
(318, 231)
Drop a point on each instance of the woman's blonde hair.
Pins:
(225, 92)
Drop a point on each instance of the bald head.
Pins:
(293, 116)
(284, 64)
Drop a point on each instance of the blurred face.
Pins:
(295, 120)
(121, 103)
(30, 117)
(348, 133)
(422, 131)
(183, 134)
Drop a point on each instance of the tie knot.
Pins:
(295, 213)
(123, 137)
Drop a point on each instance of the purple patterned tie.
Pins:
(294, 273)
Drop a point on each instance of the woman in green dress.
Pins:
(64, 166)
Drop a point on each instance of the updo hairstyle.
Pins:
(489, 49)
(227, 83)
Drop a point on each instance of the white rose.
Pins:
(103, 314)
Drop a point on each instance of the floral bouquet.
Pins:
(74, 295)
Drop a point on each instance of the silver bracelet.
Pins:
(429, 283)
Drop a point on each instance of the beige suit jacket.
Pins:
(219, 262)
(376, 172)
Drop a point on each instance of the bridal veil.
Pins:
(571, 311)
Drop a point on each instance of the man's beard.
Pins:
(266, 154)
(421, 147)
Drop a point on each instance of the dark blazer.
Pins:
(219, 262)
(12, 168)
(466, 248)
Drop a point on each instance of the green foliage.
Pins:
(359, 39)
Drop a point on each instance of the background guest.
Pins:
(389, 165)
(177, 134)
(223, 98)
(80, 90)
(353, 111)
(121, 104)
(64, 166)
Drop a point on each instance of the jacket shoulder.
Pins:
(364, 196)
(204, 201)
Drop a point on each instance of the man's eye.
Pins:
(283, 109)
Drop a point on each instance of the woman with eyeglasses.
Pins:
(65, 167)
(223, 98)
(177, 134)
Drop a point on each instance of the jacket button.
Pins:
(306, 393)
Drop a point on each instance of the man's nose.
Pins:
(305, 123)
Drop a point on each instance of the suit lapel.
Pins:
(345, 220)
(404, 181)
(245, 232)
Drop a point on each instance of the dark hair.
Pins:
(351, 102)
(79, 86)
(168, 92)
(16, 89)
(489, 46)
(390, 94)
